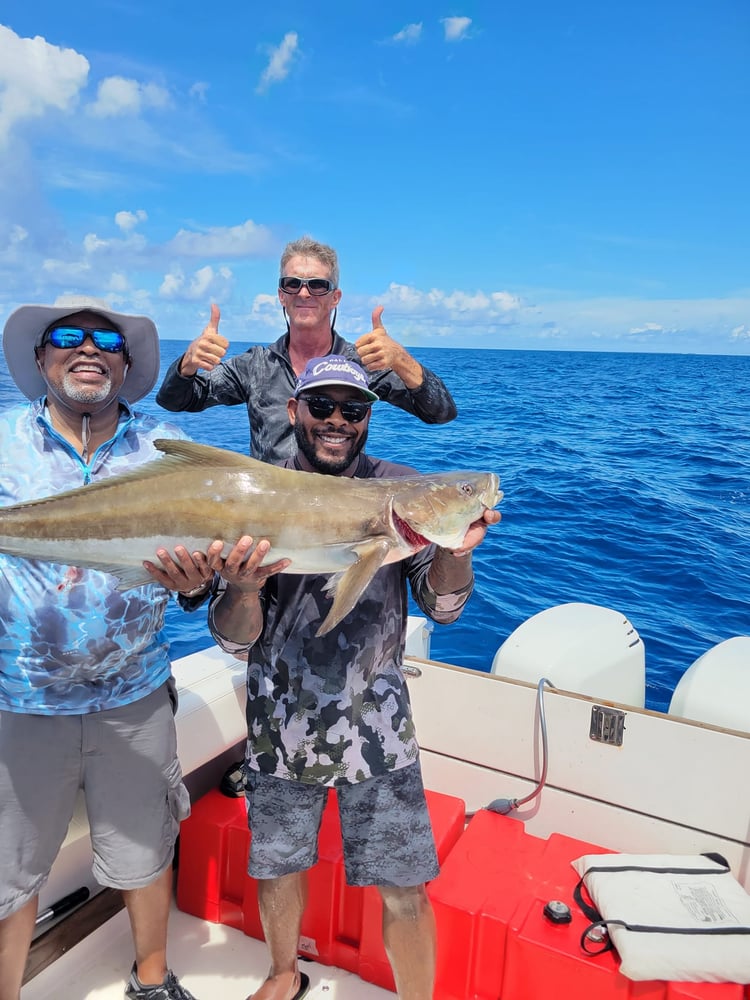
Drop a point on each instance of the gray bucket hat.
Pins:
(27, 323)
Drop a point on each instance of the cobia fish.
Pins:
(197, 494)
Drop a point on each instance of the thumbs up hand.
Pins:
(207, 350)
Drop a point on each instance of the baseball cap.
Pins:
(334, 369)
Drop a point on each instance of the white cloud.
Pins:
(204, 284)
(247, 239)
(455, 28)
(17, 235)
(132, 244)
(647, 328)
(505, 301)
(402, 295)
(409, 35)
(172, 284)
(66, 270)
(36, 77)
(118, 283)
(199, 90)
(129, 220)
(279, 63)
(201, 282)
(92, 243)
(495, 306)
(117, 96)
(462, 302)
(266, 312)
(475, 318)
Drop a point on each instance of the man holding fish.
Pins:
(80, 649)
(263, 378)
(86, 690)
(327, 704)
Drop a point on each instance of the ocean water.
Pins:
(626, 481)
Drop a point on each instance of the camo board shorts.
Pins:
(384, 823)
(126, 761)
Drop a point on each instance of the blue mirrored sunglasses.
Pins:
(66, 337)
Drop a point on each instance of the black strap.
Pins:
(586, 939)
(589, 910)
(586, 905)
(657, 871)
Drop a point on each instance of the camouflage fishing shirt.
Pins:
(263, 379)
(335, 710)
(70, 643)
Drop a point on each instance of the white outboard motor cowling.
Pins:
(716, 688)
(584, 648)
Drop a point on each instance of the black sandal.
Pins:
(233, 781)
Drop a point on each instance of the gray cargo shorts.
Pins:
(385, 827)
(125, 759)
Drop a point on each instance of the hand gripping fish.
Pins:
(196, 494)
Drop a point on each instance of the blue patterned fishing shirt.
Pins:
(70, 642)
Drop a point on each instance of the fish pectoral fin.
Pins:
(349, 586)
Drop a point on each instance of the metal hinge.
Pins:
(607, 725)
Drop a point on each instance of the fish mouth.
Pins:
(492, 494)
(407, 532)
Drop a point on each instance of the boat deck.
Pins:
(213, 961)
(664, 788)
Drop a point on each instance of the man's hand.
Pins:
(377, 350)
(207, 350)
(186, 571)
(237, 613)
(450, 569)
(183, 572)
(476, 531)
(242, 567)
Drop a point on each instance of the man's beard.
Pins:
(330, 467)
(82, 394)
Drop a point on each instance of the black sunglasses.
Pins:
(353, 411)
(315, 286)
(66, 337)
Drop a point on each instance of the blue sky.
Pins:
(529, 175)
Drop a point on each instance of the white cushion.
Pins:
(687, 899)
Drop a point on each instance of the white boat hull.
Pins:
(669, 788)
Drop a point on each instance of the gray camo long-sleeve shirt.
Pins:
(263, 379)
(334, 709)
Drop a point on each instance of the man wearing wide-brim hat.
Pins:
(86, 690)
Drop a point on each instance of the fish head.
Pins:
(440, 508)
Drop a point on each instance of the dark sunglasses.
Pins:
(322, 407)
(315, 286)
(66, 337)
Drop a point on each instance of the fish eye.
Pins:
(467, 489)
